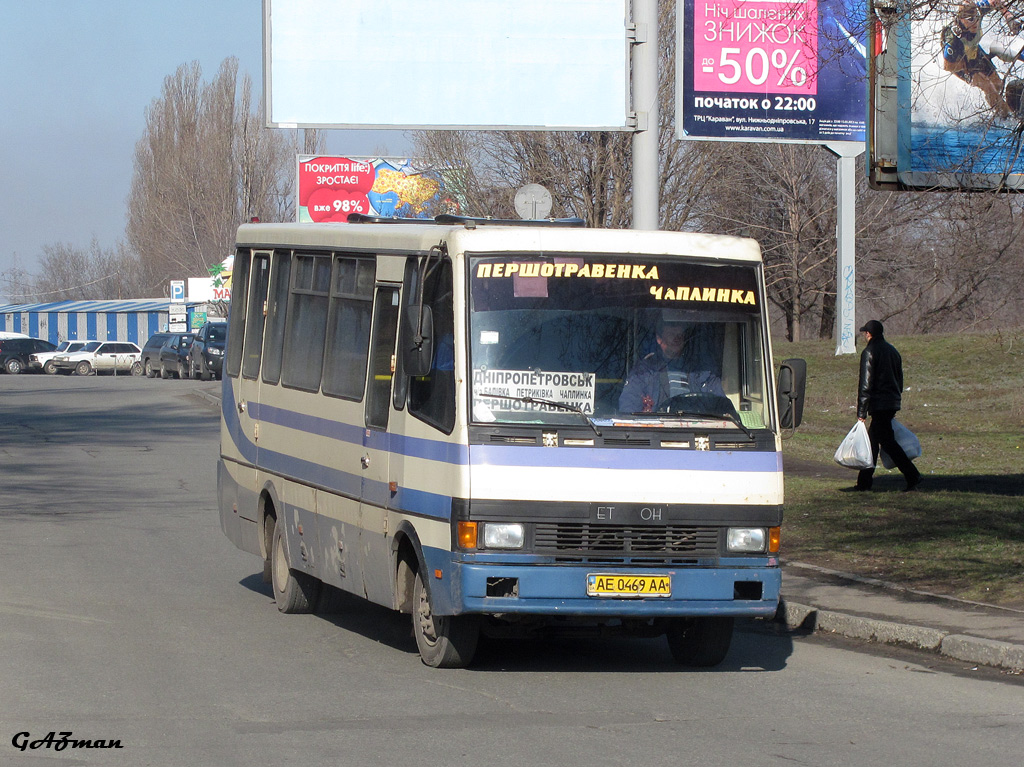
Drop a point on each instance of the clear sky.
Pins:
(76, 77)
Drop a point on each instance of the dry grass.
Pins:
(963, 533)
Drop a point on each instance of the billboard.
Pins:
(771, 70)
(458, 64)
(216, 287)
(331, 188)
(946, 96)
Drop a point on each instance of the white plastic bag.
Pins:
(906, 439)
(854, 451)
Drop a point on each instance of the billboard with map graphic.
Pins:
(331, 188)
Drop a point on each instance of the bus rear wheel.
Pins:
(294, 592)
(444, 641)
(701, 642)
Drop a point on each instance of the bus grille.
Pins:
(583, 539)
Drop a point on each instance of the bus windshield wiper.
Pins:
(696, 414)
(548, 402)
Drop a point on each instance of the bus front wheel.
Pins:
(444, 641)
(294, 592)
(702, 642)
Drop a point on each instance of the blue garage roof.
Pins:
(127, 305)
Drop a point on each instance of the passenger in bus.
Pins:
(667, 373)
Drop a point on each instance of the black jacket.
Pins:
(881, 378)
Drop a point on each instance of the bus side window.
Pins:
(348, 333)
(307, 322)
(253, 345)
(401, 388)
(277, 311)
(432, 397)
(382, 348)
(236, 321)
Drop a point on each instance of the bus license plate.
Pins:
(624, 585)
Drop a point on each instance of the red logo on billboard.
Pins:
(331, 188)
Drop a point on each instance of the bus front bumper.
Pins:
(749, 591)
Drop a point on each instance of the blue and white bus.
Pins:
(502, 428)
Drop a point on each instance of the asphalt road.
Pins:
(125, 615)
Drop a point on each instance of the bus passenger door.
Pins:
(376, 490)
(252, 347)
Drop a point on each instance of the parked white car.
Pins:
(99, 357)
(44, 360)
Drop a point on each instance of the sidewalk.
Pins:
(864, 608)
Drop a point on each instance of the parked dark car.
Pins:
(174, 355)
(14, 352)
(206, 357)
(149, 362)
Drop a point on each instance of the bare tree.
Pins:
(589, 174)
(956, 266)
(69, 273)
(924, 261)
(204, 165)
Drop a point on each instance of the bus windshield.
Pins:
(622, 340)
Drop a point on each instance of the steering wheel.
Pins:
(705, 403)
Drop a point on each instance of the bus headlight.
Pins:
(503, 535)
(746, 539)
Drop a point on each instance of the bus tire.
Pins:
(294, 592)
(701, 642)
(444, 641)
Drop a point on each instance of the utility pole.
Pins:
(646, 163)
(846, 235)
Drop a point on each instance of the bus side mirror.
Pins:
(417, 341)
(792, 382)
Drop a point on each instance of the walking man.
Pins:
(879, 395)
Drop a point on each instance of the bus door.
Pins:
(377, 442)
(248, 392)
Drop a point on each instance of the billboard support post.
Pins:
(846, 230)
(646, 165)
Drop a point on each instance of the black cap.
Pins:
(874, 327)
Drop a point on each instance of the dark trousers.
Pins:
(881, 435)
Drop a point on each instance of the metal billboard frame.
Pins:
(409, 64)
(930, 128)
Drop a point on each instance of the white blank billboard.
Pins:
(545, 64)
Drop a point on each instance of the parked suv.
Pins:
(174, 355)
(206, 357)
(99, 357)
(44, 360)
(149, 360)
(15, 352)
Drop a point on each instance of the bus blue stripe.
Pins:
(519, 455)
(407, 499)
(604, 458)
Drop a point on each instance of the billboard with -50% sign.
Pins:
(772, 70)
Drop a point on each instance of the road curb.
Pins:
(984, 652)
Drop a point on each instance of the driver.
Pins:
(666, 372)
